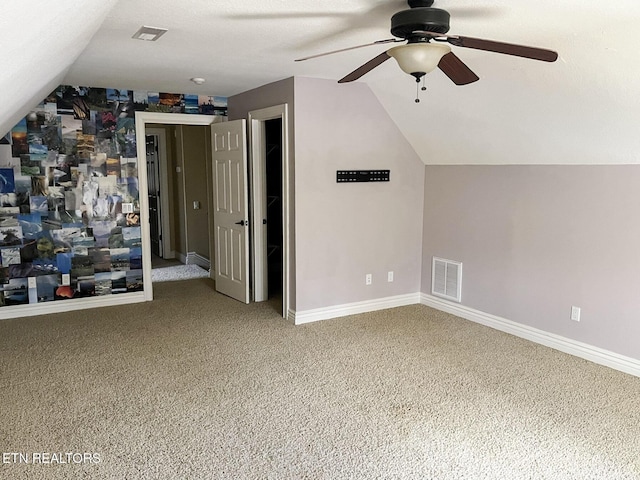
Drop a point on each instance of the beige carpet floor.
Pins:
(177, 273)
(197, 386)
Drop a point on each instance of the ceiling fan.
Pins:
(421, 26)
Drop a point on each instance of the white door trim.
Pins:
(257, 180)
(142, 118)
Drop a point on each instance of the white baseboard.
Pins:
(61, 306)
(197, 259)
(588, 352)
(182, 257)
(336, 311)
(572, 347)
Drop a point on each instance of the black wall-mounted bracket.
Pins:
(351, 176)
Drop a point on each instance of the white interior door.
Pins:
(231, 210)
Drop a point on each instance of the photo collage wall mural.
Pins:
(69, 194)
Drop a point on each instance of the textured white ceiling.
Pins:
(40, 39)
(584, 108)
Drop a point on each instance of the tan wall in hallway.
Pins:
(193, 142)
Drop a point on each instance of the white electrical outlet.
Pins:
(575, 314)
(389, 276)
(368, 279)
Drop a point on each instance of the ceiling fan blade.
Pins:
(285, 15)
(533, 53)
(377, 42)
(456, 70)
(366, 68)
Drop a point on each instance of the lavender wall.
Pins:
(535, 240)
(344, 231)
(269, 95)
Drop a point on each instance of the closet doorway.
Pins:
(269, 149)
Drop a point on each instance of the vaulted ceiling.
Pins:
(584, 108)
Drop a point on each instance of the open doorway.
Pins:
(161, 203)
(273, 173)
(179, 207)
(268, 133)
(257, 121)
(148, 122)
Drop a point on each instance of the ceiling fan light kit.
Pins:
(421, 26)
(420, 58)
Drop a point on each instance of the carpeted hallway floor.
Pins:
(195, 385)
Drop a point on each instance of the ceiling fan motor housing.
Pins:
(405, 22)
(420, 3)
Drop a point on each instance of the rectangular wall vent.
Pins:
(446, 279)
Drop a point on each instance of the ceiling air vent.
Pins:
(446, 279)
(150, 34)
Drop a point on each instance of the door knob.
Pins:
(241, 223)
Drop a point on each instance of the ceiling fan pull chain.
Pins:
(423, 88)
